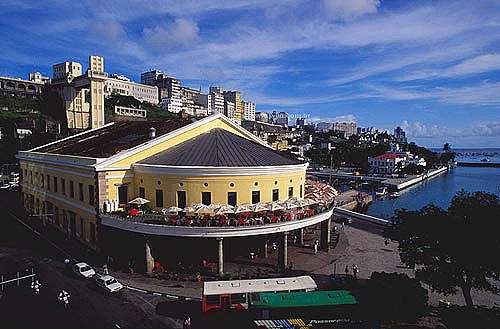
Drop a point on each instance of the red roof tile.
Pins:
(388, 156)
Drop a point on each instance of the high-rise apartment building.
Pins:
(348, 128)
(204, 100)
(301, 123)
(149, 78)
(169, 89)
(282, 119)
(234, 97)
(187, 97)
(96, 63)
(217, 99)
(400, 135)
(262, 117)
(248, 111)
(323, 126)
(230, 108)
(66, 71)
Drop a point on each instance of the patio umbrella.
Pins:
(224, 210)
(311, 201)
(242, 208)
(171, 209)
(199, 205)
(273, 206)
(138, 201)
(204, 210)
(258, 207)
(189, 209)
(300, 202)
(290, 205)
(312, 195)
(214, 206)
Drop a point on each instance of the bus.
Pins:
(340, 304)
(234, 294)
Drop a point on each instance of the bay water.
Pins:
(438, 190)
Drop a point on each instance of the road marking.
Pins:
(145, 301)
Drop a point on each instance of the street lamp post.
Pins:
(331, 166)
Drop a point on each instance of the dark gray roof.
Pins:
(108, 141)
(219, 148)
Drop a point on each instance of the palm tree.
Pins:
(446, 147)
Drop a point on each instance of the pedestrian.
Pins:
(343, 224)
(346, 270)
(316, 247)
(105, 269)
(386, 242)
(187, 323)
(355, 271)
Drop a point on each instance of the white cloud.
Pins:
(479, 129)
(478, 64)
(110, 30)
(179, 33)
(485, 93)
(340, 118)
(348, 9)
(487, 129)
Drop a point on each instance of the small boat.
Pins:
(394, 195)
(484, 160)
(381, 191)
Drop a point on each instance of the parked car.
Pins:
(83, 270)
(108, 283)
(5, 186)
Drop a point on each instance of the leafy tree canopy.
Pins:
(454, 248)
(393, 296)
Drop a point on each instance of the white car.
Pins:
(108, 283)
(83, 270)
(5, 186)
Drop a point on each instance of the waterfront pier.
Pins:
(396, 184)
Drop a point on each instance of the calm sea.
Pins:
(439, 190)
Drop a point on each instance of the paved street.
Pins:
(89, 307)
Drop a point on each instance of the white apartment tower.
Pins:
(217, 99)
(248, 111)
(96, 63)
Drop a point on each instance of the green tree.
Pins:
(446, 147)
(456, 248)
(387, 296)
(414, 169)
(52, 105)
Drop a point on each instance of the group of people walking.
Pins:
(355, 270)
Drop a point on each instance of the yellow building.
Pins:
(176, 162)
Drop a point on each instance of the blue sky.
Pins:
(431, 67)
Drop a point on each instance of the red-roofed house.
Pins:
(386, 163)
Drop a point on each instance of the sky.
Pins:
(430, 67)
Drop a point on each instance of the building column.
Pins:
(150, 261)
(283, 252)
(325, 234)
(220, 256)
(300, 236)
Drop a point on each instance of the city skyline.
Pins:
(430, 67)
